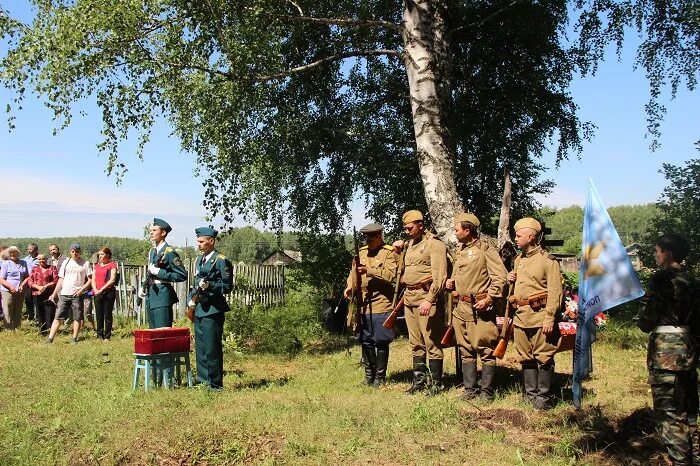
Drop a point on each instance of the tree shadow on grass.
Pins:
(261, 383)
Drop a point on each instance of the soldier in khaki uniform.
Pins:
(377, 267)
(537, 295)
(425, 272)
(479, 278)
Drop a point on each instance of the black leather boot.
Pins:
(488, 376)
(471, 389)
(530, 376)
(382, 364)
(369, 359)
(544, 398)
(435, 380)
(418, 376)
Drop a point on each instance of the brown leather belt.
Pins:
(424, 285)
(537, 300)
(472, 298)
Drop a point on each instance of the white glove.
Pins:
(143, 293)
(203, 285)
(153, 269)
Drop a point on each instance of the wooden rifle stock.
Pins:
(448, 339)
(504, 337)
(391, 319)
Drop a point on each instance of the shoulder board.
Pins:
(169, 249)
(548, 254)
(220, 256)
(364, 247)
(388, 247)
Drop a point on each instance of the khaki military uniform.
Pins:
(478, 272)
(536, 273)
(425, 273)
(377, 283)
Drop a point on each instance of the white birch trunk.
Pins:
(435, 155)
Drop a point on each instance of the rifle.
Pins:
(396, 307)
(504, 337)
(354, 318)
(192, 304)
(448, 339)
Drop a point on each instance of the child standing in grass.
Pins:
(669, 313)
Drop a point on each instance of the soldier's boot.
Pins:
(530, 383)
(419, 370)
(382, 364)
(545, 377)
(369, 359)
(471, 389)
(488, 377)
(435, 379)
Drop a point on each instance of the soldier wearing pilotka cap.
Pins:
(425, 272)
(479, 278)
(377, 269)
(537, 297)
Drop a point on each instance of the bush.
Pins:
(286, 329)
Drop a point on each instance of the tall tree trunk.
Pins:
(425, 48)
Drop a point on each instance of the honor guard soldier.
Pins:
(164, 269)
(537, 297)
(425, 272)
(213, 280)
(669, 313)
(479, 279)
(378, 269)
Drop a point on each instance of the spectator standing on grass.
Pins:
(73, 281)
(42, 281)
(104, 278)
(32, 261)
(56, 259)
(670, 313)
(2, 259)
(13, 282)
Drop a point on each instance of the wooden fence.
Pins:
(252, 284)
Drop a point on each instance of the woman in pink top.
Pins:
(104, 278)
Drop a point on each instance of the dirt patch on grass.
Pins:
(496, 419)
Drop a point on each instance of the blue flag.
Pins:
(606, 279)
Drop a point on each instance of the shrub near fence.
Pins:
(252, 284)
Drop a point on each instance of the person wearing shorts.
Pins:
(73, 280)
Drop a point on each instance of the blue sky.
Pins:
(57, 186)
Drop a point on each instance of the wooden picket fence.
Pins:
(252, 284)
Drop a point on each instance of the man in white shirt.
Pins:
(73, 281)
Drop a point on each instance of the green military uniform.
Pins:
(161, 292)
(215, 275)
(378, 294)
(478, 273)
(538, 274)
(425, 272)
(669, 313)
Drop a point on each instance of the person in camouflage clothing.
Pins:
(669, 313)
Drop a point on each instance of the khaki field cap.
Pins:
(412, 216)
(471, 218)
(528, 222)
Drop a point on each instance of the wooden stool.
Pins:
(154, 365)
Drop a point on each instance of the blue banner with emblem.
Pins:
(606, 279)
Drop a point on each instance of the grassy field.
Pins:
(73, 404)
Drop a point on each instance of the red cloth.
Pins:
(102, 273)
(42, 276)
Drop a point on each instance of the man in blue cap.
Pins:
(213, 280)
(165, 268)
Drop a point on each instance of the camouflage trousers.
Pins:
(675, 397)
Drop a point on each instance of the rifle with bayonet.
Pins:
(448, 339)
(398, 290)
(354, 318)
